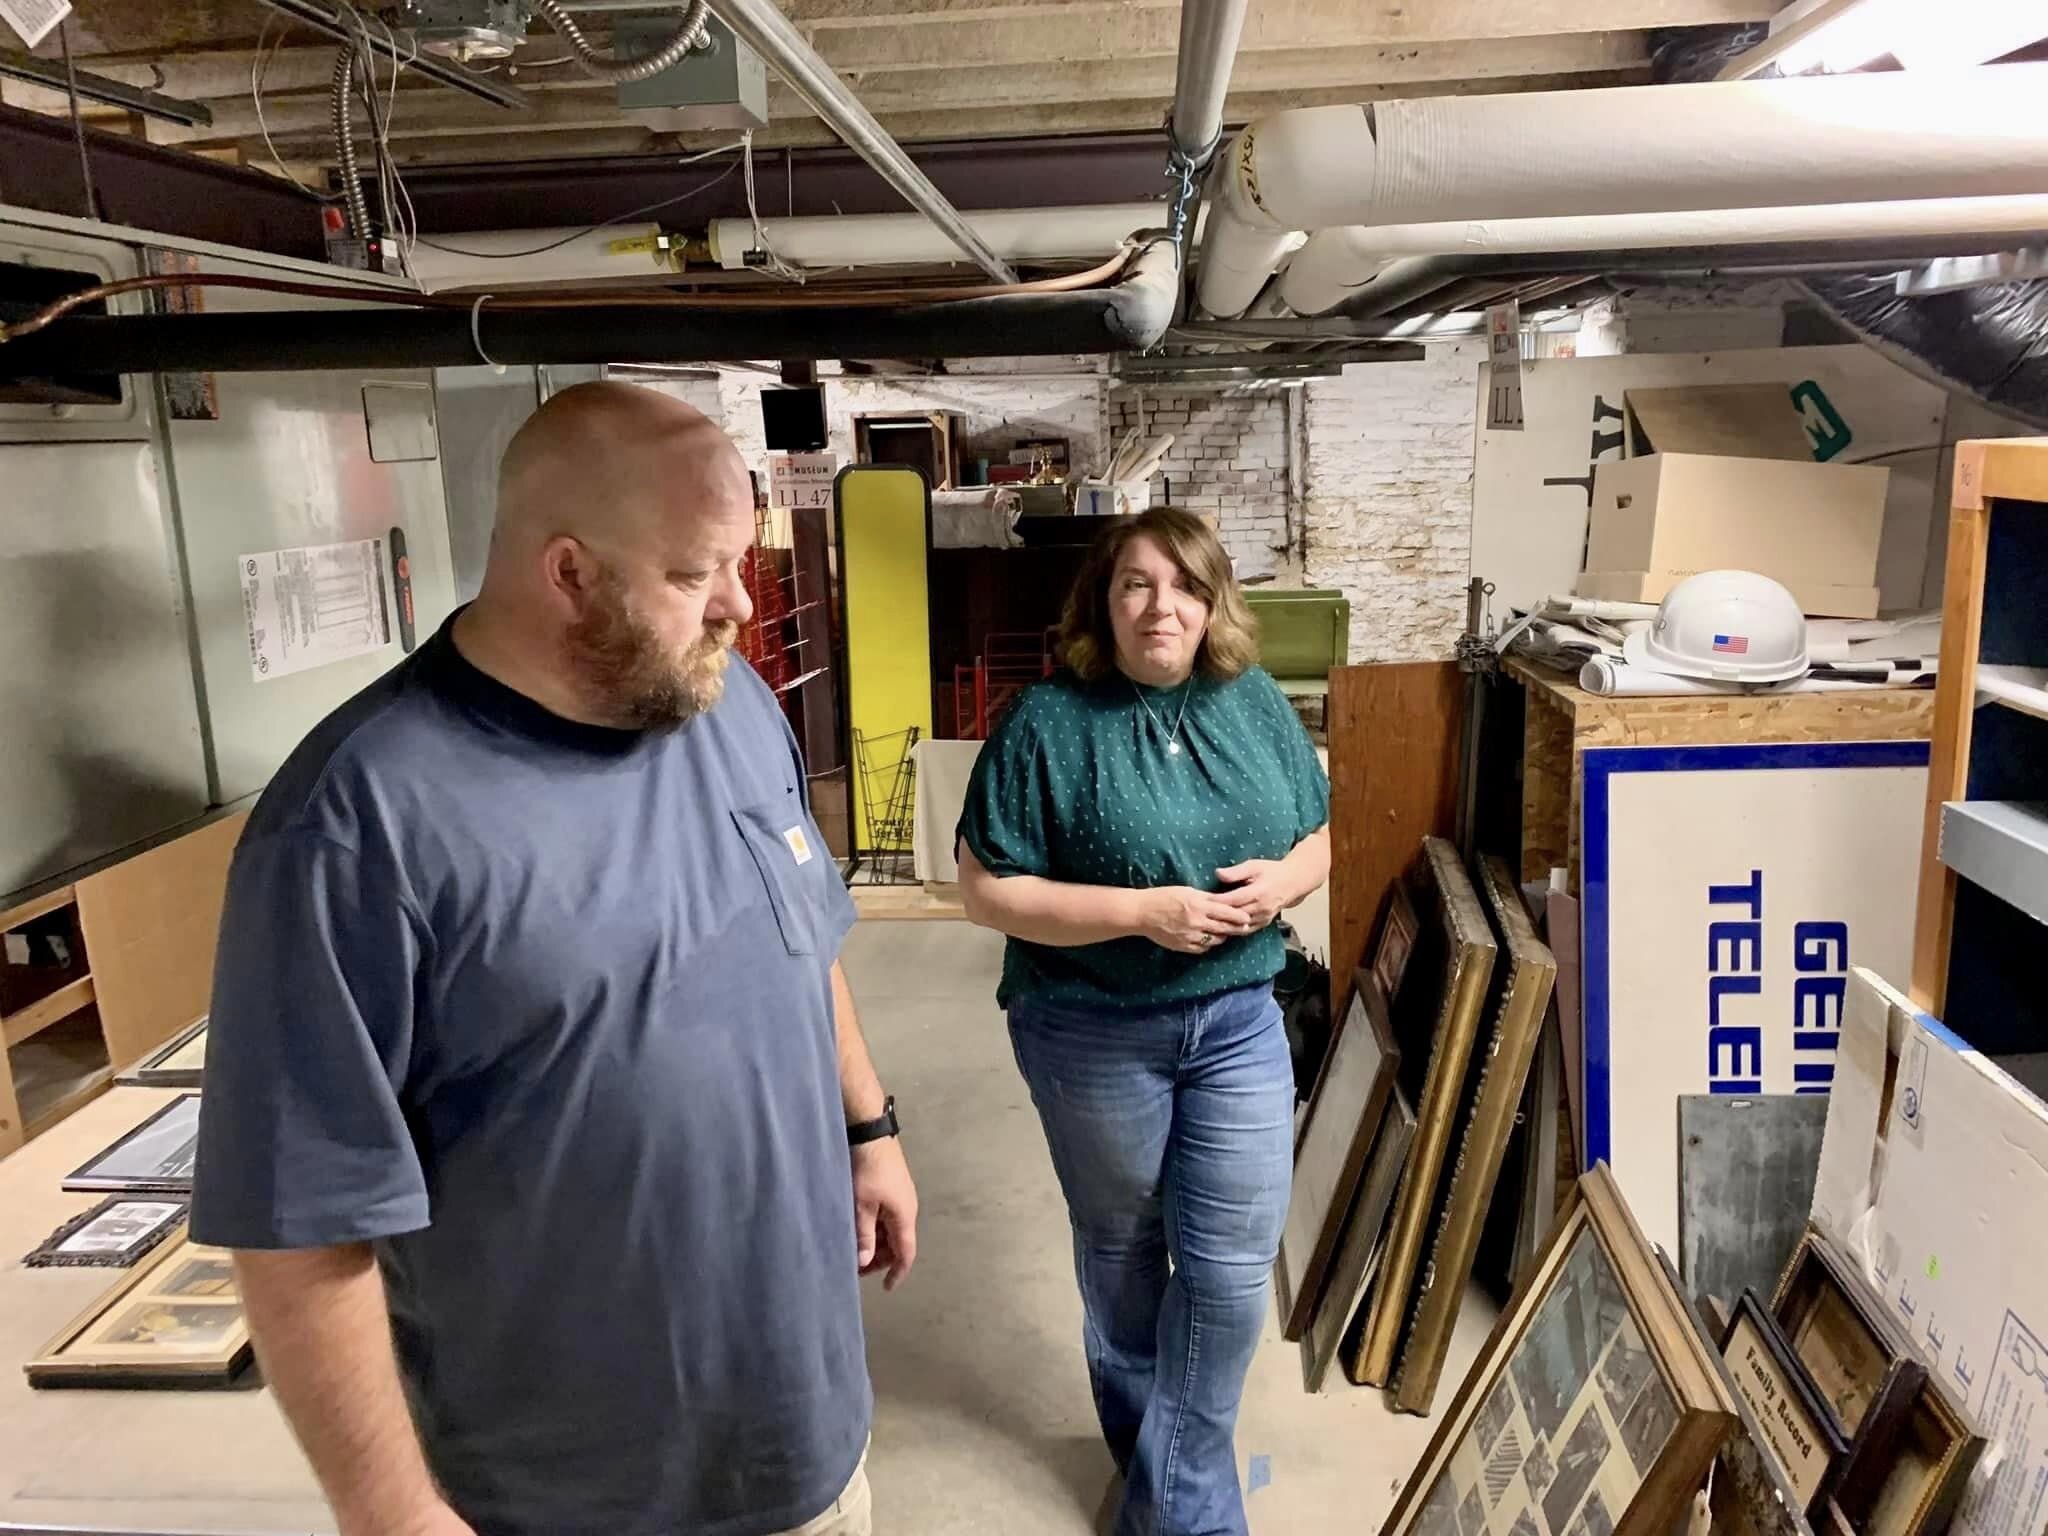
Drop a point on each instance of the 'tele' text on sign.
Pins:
(1736, 1039)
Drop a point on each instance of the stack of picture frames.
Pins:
(1378, 1113)
(176, 1321)
(1518, 1004)
(1594, 1409)
(1849, 1433)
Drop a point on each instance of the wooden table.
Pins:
(1563, 720)
(127, 1461)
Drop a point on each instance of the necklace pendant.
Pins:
(1173, 749)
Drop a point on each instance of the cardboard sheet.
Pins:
(1934, 1175)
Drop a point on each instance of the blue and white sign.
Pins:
(1727, 891)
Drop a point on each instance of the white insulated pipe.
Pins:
(626, 252)
(1622, 150)
(1336, 263)
(893, 239)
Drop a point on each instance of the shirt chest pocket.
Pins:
(779, 837)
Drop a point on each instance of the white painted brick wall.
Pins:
(1229, 457)
(1388, 515)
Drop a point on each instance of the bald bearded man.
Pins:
(537, 1113)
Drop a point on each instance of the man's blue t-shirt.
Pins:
(544, 1010)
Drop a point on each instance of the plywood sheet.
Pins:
(151, 923)
(1394, 737)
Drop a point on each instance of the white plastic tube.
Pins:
(1335, 263)
(1625, 150)
(623, 252)
(899, 239)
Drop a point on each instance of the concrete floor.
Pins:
(983, 1422)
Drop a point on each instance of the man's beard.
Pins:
(633, 678)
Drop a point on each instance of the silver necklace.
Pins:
(1172, 736)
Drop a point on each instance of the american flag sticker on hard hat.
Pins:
(1732, 645)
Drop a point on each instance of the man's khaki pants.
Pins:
(851, 1514)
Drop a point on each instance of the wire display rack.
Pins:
(885, 778)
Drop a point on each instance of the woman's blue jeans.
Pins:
(1172, 1131)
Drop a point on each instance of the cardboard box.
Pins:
(1725, 479)
(1934, 1176)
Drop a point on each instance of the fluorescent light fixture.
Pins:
(1837, 37)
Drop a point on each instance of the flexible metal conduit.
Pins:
(345, 144)
(688, 34)
(761, 25)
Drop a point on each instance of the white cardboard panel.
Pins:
(1940, 1194)
(1727, 892)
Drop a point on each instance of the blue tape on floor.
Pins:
(1262, 1473)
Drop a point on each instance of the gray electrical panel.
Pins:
(184, 595)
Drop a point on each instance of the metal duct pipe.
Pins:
(1624, 150)
(1129, 315)
(1209, 30)
(761, 25)
(1337, 264)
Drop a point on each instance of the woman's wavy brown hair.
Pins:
(1087, 642)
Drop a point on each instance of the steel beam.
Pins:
(107, 92)
(323, 18)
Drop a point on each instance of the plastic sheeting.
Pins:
(1989, 343)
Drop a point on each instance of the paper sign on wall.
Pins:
(34, 19)
(801, 482)
(1727, 892)
(313, 605)
(1504, 376)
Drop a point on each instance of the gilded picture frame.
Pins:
(176, 1321)
(1595, 1407)
(1436, 1019)
(1517, 1002)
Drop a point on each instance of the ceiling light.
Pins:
(1837, 37)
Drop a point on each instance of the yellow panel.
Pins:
(881, 513)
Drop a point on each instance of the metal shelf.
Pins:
(2022, 688)
(2001, 845)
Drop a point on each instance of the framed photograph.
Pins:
(1395, 941)
(176, 1322)
(1518, 1000)
(1912, 1447)
(112, 1235)
(154, 1158)
(177, 1063)
(1594, 1408)
(1344, 1115)
(1862, 1365)
(1436, 1019)
(1797, 1426)
(1358, 1255)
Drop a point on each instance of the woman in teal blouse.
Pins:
(1135, 826)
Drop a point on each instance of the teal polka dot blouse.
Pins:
(1079, 784)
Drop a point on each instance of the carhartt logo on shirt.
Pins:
(799, 844)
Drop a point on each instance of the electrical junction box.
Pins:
(723, 86)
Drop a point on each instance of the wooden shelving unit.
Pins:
(97, 974)
(1983, 894)
(46, 1071)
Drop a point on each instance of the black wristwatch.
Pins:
(874, 1130)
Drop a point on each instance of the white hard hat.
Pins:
(1731, 626)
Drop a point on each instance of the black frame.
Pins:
(47, 1256)
(84, 1178)
(1792, 1373)
(147, 1074)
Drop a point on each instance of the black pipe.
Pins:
(1128, 316)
